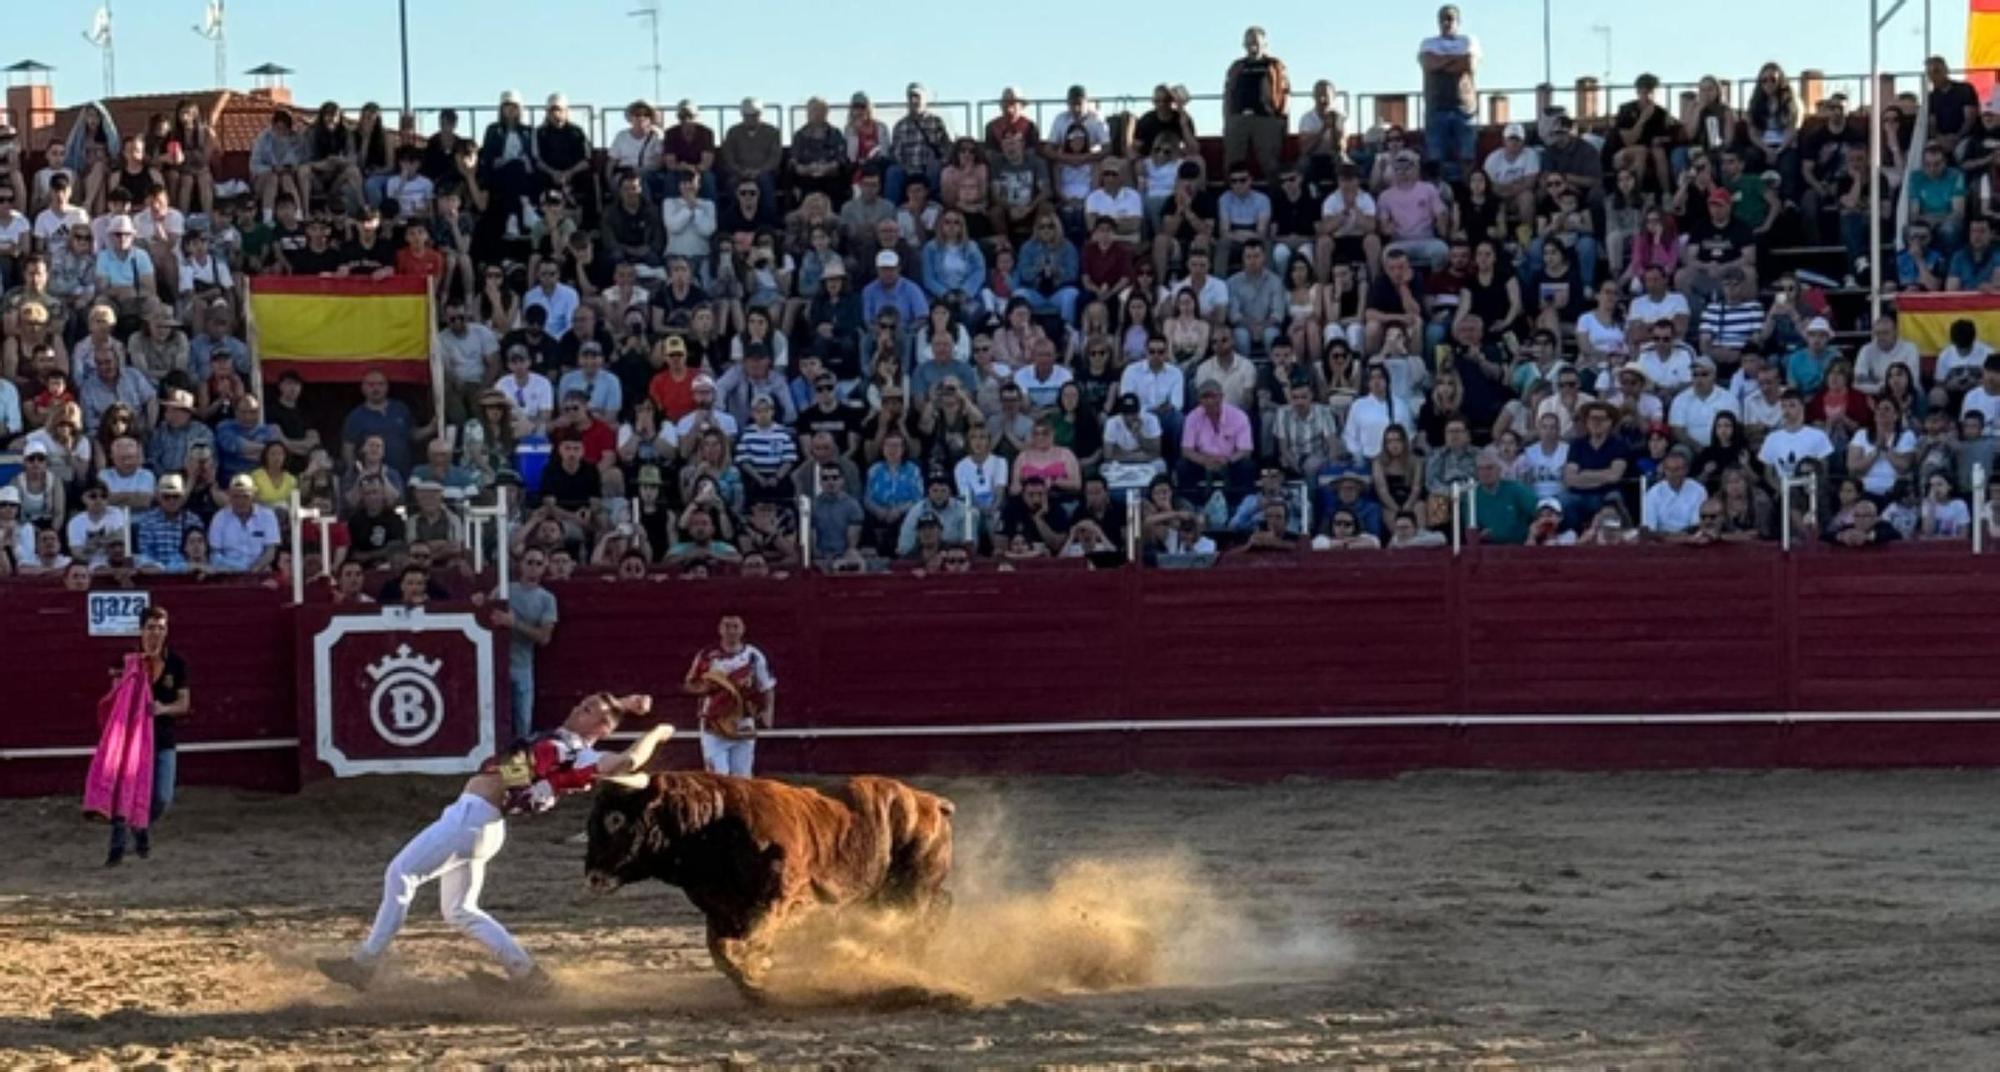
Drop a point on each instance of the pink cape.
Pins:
(120, 783)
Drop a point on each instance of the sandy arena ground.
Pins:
(1786, 920)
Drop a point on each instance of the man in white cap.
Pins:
(1805, 368)
(562, 159)
(244, 536)
(1514, 169)
(167, 446)
(751, 151)
(703, 418)
(892, 291)
(1012, 121)
(157, 534)
(918, 145)
(124, 272)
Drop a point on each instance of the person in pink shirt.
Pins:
(1216, 445)
(1413, 216)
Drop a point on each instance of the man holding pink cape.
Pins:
(131, 779)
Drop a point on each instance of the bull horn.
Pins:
(625, 781)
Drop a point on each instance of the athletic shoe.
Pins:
(347, 970)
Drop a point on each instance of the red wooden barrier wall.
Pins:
(1501, 658)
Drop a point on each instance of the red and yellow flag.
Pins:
(331, 330)
(1982, 44)
(1926, 319)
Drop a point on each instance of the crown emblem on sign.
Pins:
(403, 661)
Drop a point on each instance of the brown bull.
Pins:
(754, 854)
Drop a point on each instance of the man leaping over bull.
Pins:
(454, 850)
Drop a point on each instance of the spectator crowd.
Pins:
(887, 341)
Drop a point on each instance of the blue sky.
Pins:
(466, 51)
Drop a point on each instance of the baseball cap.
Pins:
(120, 224)
(1076, 92)
(1513, 130)
(674, 344)
(172, 484)
(1719, 196)
(1819, 326)
(35, 450)
(1549, 503)
(242, 482)
(510, 97)
(36, 312)
(836, 270)
(704, 380)
(178, 399)
(859, 100)
(10, 494)
(1128, 403)
(887, 259)
(650, 475)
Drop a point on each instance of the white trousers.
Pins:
(453, 850)
(724, 756)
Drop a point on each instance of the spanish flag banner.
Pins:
(1982, 44)
(1926, 319)
(333, 330)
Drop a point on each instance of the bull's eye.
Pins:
(614, 822)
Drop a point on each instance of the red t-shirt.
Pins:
(428, 262)
(675, 398)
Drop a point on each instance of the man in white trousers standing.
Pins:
(528, 778)
(737, 694)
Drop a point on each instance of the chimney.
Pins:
(281, 95)
(32, 109)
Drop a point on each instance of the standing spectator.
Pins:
(751, 152)
(530, 619)
(1953, 105)
(1322, 138)
(1255, 92)
(562, 159)
(380, 415)
(1451, 103)
(918, 145)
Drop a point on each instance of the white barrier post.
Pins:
(1811, 484)
(805, 532)
(1459, 517)
(298, 549)
(1132, 524)
(1979, 508)
(502, 555)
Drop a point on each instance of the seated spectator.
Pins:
(244, 537)
(1216, 444)
(1501, 509)
(1345, 534)
(1032, 516)
(837, 519)
(1972, 268)
(1413, 213)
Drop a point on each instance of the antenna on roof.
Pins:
(211, 30)
(99, 34)
(651, 13)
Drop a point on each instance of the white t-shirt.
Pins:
(1125, 205)
(15, 232)
(1647, 311)
(1952, 518)
(141, 481)
(1951, 358)
(1785, 448)
(1503, 171)
(1881, 475)
(1761, 411)
(1674, 371)
(535, 398)
(1986, 402)
(1697, 414)
(1212, 297)
(83, 527)
(1118, 437)
(981, 483)
(48, 224)
(1666, 510)
(1608, 338)
(166, 226)
(1542, 469)
(412, 195)
(1336, 203)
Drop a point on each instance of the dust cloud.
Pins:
(1092, 923)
